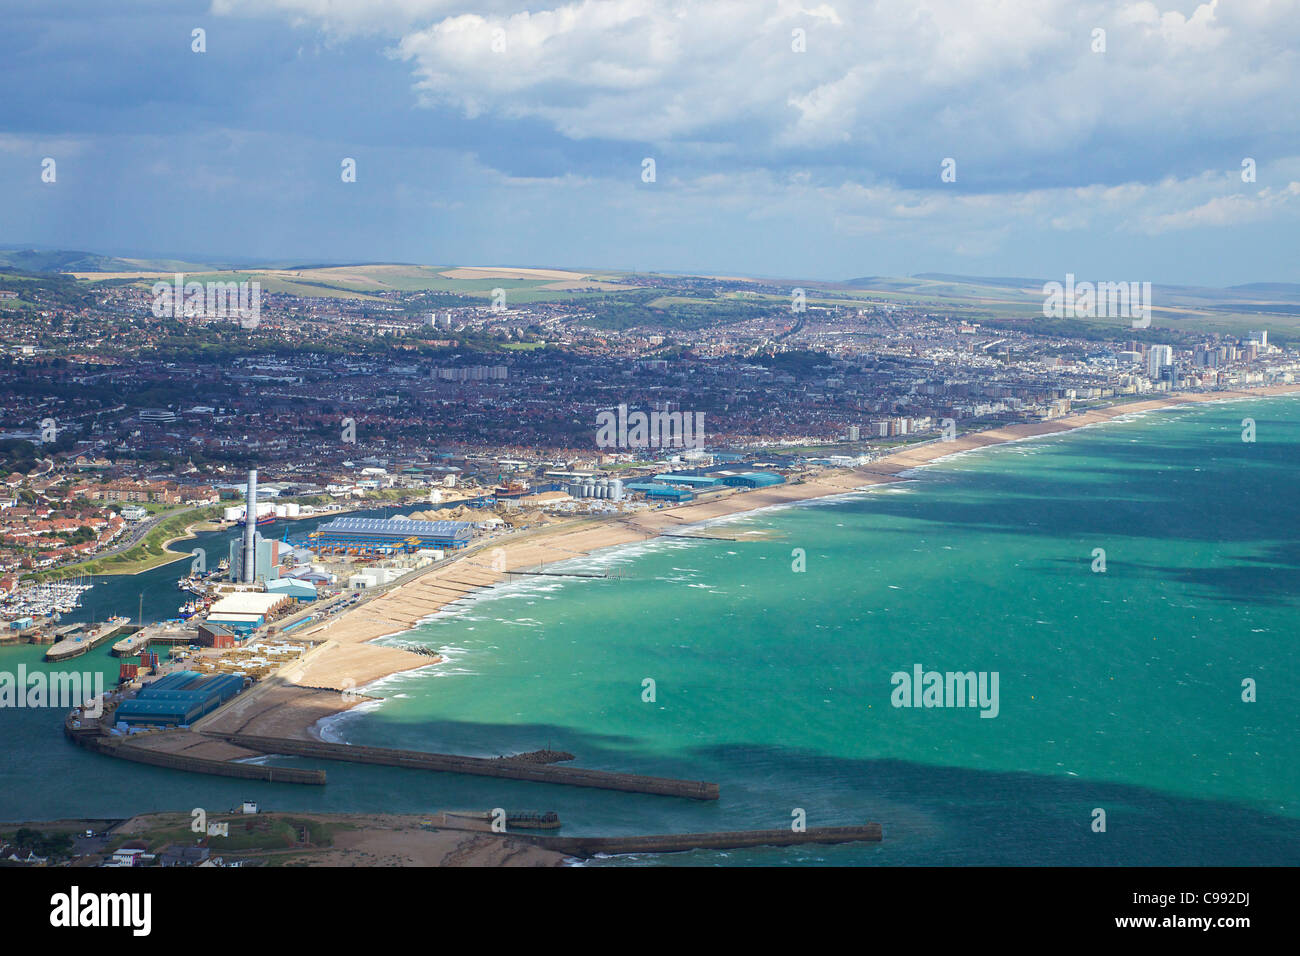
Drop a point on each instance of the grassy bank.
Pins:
(150, 552)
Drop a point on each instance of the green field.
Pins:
(680, 302)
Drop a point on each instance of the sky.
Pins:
(1115, 141)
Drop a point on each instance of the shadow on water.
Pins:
(1259, 581)
(932, 815)
(1144, 493)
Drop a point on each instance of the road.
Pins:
(136, 533)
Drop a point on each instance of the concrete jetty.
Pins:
(477, 766)
(177, 750)
(131, 645)
(76, 645)
(128, 750)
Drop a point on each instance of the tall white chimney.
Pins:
(248, 567)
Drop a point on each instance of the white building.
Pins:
(1158, 356)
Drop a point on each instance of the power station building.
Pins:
(266, 559)
(368, 536)
(252, 557)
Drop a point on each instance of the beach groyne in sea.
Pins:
(503, 767)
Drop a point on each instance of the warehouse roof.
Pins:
(398, 528)
(235, 618)
(248, 602)
(689, 479)
(177, 707)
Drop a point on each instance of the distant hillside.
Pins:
(61, 260)
(50, 261)
(979, 280)
(1269, 288)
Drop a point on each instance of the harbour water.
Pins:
(1119, 690)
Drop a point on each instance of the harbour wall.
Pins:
(478, 766)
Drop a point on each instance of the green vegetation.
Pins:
(149, 553)
(56, 845)
(639, 308)
(248, 833)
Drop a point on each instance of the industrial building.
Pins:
(179, 699)
(252, 557)
(369, 536)
(661, 492)
(295, 588)
(216, 635)
(610, 488)
(246, 611)
(752, 479)
(266, 560)
(697, 482)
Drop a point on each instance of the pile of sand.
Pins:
(459, 513)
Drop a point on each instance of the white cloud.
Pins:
(1047, 134)
(55, 146)
(995, 81)
(1234, 209)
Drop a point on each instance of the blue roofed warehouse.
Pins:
(752, 479)
(388, 535)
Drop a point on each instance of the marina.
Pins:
(45, 602)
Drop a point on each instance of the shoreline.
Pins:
(293, 706)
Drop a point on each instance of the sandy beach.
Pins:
(291, 703)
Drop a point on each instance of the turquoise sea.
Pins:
(1118, 690)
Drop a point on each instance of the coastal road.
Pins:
(137, 532)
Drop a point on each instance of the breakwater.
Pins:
(112, 747)
(683, 842)
(478, 766)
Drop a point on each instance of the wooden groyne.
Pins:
(561, 574)
(682, 842)
(477, 766)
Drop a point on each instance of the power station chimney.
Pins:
(248, 568)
